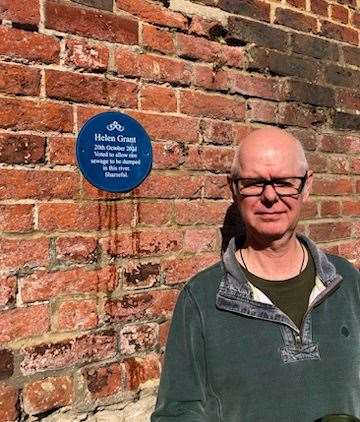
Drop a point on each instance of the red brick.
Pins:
(309, 210)
(15, 11)
(255, 86)
(139, 275)
(201, 240)
(151, 67)
(208, 76)
(232, 56)
(105, 380)
(338, 186)
(164, 329)
(201, 212)
(339, 33)
(7, 290)
(297, 115)
(21, 184)
(355, 165)
(158, 98)
(348, 100)
(61, 150)
(329, 231)
(16, 218)
(141, 370)
(19, 44)
(8, 403)
(167, 155)
(355, 19)
(63, 354)
(43, 285)
(216, 187)
(330, 209)
(156, 213)
(80, 53)
(84, 113)
(16, 79)
(295, 20)
(171, 128)
(138, 338)
(77, 248)
(170, 186)
(351, 208)
(299, 4)
(319, 7)
(95, 89)
(212, 158)
(350, 251)
(205, 27)
(154, 13)
(339, 143)
(149, 304)
(214, 106)
(240, 131)
(24, 322)
(84, 216)
(340, 13)
(89, 22)
(198, 48)
(21, 149)
(357, 189)
(317, 162)
(181, 269)
(262, 111)
(16, 253)
(339, 164)
(158, 39)
(48, 394)
(77, 315)
(217, 132)
(35, 115)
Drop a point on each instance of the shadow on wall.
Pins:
(233, 226)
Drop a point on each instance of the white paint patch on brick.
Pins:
(188, 8)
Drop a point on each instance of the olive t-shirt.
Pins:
(291, 295)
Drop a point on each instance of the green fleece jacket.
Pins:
(232, 356)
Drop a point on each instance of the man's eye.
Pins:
(283, 183)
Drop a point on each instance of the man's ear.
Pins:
(308, 185)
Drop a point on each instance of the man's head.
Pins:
(266, 154)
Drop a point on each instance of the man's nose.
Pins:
(269, 194)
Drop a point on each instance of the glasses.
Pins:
(283, 186)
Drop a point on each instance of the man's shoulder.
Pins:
(206, 281)
(343, 266)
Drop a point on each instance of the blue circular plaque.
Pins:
(114, 152)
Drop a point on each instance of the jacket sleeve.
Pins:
(182, 394)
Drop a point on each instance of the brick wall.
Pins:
(88, 279)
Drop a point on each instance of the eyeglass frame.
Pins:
(266, 182)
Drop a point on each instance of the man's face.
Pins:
(270, 216)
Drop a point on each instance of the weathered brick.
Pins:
(6, 364)
(209, 77)
(262, 111)
(158, 98)
(332, 186)
(346, 121)
(200, 212)
(8, 403)
(295, 20)
(15, 11)
(16, 217)
(339, 164)
(77, 248)
(19, 44)
(21, 184)
(319, 7)
(216, 187)
(355, 19)
(80, 53)
(350, 251)
(351, 208)
(309, 210)
(89, 22)
(105, 380)
(317, 162)
(255, 9)
(43, 285)
(167, 155)
(158, 39)
(348, 100)
(339, 143)
(16, 253)
(139, 275)
(24, 322)
(7, 290)
(209, 28)
(138, 338)
(255, 86)
(181, 269)
(330, 208)
(61, 150)
(48, 394)
(17, 79)
(257, 32)
(35, 115)
(307, 137)
(84, 216)
(193, 47)
(214, 106)
(77, 315)
(340, 13)
(315, 47)
(63, 354)
(153, 13)
(341, 76)
(151, 67)
(351, 55)
(139, 371)
(201, 240)
(329, 231)
(150, 304)
(355, 165)
(156, 213)
(303, 116)
(310, 93)
(95, 89)
(299, 4)
(164, 329)
(217, 132)
(212, 158)
(21, 149)
(338, 32)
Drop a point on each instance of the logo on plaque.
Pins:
(114, 152)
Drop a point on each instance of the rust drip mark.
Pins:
(142, 273)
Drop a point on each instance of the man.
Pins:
(273, 333)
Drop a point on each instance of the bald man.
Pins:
(272, 333)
